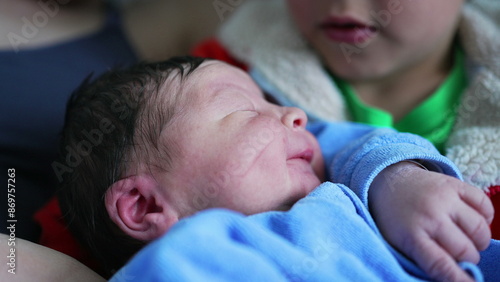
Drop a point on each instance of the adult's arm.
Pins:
(27, 261)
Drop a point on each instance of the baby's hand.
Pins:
(434, 219)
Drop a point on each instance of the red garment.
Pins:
(494, 194)
(211, 48)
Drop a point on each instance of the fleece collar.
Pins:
(262, 35)
(474, 144)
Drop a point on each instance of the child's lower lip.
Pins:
(349, 35)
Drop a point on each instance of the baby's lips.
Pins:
(306, 155)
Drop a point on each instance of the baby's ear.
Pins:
(138, 207)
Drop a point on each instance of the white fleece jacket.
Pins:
(262, 35)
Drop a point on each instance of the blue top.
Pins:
(327, 236)
(35, 85)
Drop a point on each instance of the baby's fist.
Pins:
(434, 219)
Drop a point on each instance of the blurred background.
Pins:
(47, 48)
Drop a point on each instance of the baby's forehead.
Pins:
(213, 69)
(216, 75)
(212, 80)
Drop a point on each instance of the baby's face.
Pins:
(236, 150)
(374, 39)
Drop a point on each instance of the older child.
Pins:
(146, 147)
(425, 67)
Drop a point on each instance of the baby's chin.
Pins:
(304, 192)
(316, 182)
(319, 168)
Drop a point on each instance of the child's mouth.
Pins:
(347, 30)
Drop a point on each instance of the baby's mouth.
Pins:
(306, 155)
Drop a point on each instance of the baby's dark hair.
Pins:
(106, 120)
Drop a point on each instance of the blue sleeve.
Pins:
(489, 263)
(355, 154)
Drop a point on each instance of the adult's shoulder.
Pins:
(27, 261)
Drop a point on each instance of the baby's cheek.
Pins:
(318, 165)
(249, 149)
(319, 170)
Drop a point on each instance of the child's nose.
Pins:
(294, 117)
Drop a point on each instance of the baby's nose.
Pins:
(294, 118)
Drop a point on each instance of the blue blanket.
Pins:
(327, 236)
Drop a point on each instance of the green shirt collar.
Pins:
(433, 118)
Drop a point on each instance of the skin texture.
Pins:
(235, 150)
(255, 156)
(402, 63)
